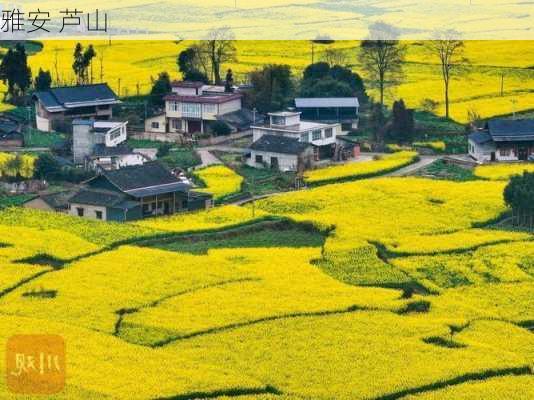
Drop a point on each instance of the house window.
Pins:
(210, 108)
(155, 125)
(504, 152)
(304, 137)
(259, 159)
(173, 106)
(328, 133)
(98, 214)
(80, 211)
(176, 124)
(316, 135)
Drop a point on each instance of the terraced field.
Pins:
(383, 288)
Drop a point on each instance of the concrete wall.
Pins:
(89, 211)
(286, 162)
(160, 120)
(83, 142)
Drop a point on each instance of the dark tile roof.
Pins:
(96, 197)
(101, 150)
(480, 137)
(145, 180)
(7, 126)
(58, 200)
(241, 119)
(279, 144)
(511, 129)
(60, 98)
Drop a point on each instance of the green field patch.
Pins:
(277, 235)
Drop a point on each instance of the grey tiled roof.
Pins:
(279, 144)
(145, 180)
(96, 197)
(480, 137)
(511, 129)
(61, 98)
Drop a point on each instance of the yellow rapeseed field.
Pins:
(360, 170)
(330, 322)
(219, 180)
(129, 65)
(501, 171)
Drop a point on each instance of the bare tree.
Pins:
(381, 56)
(56, 66)
(335, 57)
(101, 62)
(220, 48)
(450, 52)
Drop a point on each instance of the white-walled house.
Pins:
(321, 136)
(192, 107)
(280, 152)
(503, 140)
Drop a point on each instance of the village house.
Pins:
(10, 135)
(503, 140)
(280, 152)
(102, 145)
(344, 110)
(135, 192)
(321, 136)
(193, 107)
(57, 107)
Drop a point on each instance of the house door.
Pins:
(493, 157)
(523, 153)
(194, 126)
(274, 162)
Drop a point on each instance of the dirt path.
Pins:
(412, 168)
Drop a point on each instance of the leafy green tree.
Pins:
(321, 80)
(83, 59)
(402, 123)
(519, 195)
(327, 87)
(15, 72)
(319, 70)
(161, 86)
(46, 167)
(192, 66)
(220, 128)
(43, 80)
(376, 123)
(272, 87)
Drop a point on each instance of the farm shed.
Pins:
(344, 110)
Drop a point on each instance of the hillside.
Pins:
(384, 288)
(477, 89)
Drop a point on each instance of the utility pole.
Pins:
(502, 84)
(514, 101)
(312, 52)
(119, 87)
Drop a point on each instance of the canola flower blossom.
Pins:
(360, 170)
(219, 180)
(502, 172)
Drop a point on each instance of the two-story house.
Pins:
(320, 136)
(192, 107)
(57, 107)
